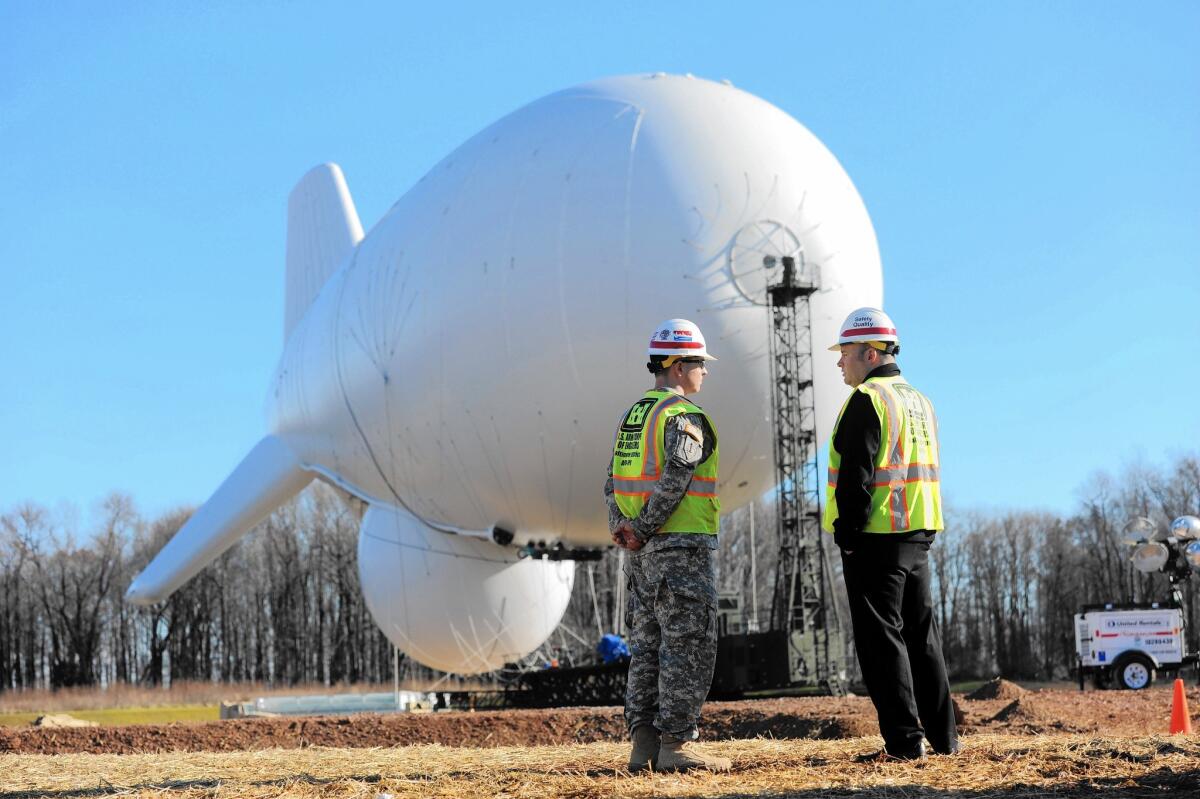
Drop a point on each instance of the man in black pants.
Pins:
(883, 506)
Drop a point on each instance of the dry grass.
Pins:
(125, 715)
(990, 766)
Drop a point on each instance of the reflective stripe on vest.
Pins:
(899, 474)
(638, 452)
(906, 492)
(644, 486)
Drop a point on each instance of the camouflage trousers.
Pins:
(672, 624)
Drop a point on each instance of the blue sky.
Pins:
(1032, 171)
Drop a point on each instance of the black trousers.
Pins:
(899, 646)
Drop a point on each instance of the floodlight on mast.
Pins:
(1139, 530)
(1186, 528)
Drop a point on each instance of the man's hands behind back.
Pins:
(624, 537)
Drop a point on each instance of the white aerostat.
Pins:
(462, 368)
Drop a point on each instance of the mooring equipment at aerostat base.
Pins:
(802, 645)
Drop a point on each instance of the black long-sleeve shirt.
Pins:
(857, 440)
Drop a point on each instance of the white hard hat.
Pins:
(678, 337)
(868, 324)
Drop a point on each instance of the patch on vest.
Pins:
(691, 431)
(635, 420)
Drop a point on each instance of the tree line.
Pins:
(284, 606)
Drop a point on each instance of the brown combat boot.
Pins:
(645, 748)
(675, 755)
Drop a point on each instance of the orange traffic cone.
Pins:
(1180, 720)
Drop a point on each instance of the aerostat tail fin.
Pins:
(266, 478)
(323, 229)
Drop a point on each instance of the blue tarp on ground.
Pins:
(612, 648)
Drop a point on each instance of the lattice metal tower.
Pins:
(803, 603)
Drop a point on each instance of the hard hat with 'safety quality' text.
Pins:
(680, 338)
(867, 326)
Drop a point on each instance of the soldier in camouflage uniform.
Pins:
(667, 517)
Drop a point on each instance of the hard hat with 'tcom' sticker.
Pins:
(680, 338)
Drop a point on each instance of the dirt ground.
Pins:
(1010, 711)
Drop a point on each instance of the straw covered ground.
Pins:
(990, 766)
(1057, 742)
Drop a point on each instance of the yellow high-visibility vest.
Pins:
(907, 491)
(639, 456)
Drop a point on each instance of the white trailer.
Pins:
(1127, 645)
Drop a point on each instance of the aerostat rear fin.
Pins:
(323, 229)
(266, 478)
